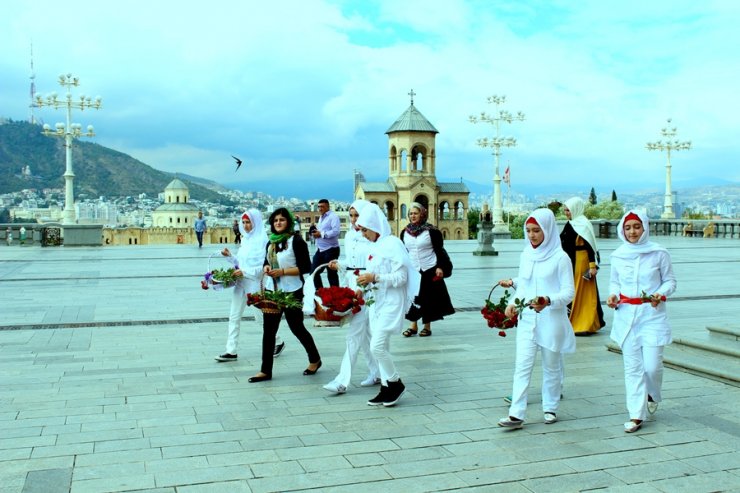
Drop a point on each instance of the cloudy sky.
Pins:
(303, 90)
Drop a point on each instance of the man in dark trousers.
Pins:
(327, 244)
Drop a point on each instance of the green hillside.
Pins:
(98, 170)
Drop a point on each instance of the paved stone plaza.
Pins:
(108, 384)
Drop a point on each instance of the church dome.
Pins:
(176, 184)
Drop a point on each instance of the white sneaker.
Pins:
(335, 387)
(370, 381)
(510, 422)
(652, 407)
(631, 426)
(550, 418)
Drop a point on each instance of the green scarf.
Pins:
(280, 237)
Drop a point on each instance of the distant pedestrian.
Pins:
(237, 233)
(200, 228)
(327, 244)
(641, 279)
(545, 281)
(9, 236)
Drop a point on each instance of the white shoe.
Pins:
(652, 407)
(631, 426)
(335, 387)
(370, 381)
(510, 422)
(550, 418)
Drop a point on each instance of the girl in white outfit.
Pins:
(393, 284)
(641, 278)
(356, 250)
(545, 277)
(247, 261)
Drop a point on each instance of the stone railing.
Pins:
(723, 228)
(52, 234)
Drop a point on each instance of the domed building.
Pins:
(176, 211)
(412, 162)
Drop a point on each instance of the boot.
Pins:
(395, 391)
(380, 398)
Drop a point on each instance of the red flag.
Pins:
(507, 176)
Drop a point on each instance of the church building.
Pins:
(412, 162)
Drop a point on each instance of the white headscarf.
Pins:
(253, 242)
(358, 205)
(629, 250)
(580, 222)
(390, 247)
(549, 246)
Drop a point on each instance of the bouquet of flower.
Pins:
(273, 302)
(338, 301)
(220, 278)
(643, 298)
(495, 316)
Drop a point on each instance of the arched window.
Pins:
(404, 212)
(389, 210)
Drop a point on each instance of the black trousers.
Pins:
(325, 257)
(270, 327)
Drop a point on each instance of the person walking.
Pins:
(641, 280)
(425, 245)
(236, 228)
(356, 251)
(545, 280)
(326, 235)
(392, 282)
(579, 242)
(286, 262)
(248, 262)
(200, 228)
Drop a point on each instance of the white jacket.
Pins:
(550, 328)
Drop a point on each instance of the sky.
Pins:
(304, 90)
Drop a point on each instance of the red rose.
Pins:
(203, 284)
(502, 333)
(436, 278)
(356, 272)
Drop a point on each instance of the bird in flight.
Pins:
(238, 163)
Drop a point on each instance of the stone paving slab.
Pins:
(107, 375)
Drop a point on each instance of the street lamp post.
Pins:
(69, 131)
(500, 228)
(670, 144)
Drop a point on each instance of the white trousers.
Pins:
(238, 304)
(526, 353)
(358, 339)
(380, 343)
(643, 375)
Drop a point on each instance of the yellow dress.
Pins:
(586, 313)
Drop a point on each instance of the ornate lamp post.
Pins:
(69, 131)
(500, 228)
(668, 145)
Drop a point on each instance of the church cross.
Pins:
(412, 94)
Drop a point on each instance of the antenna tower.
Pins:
(33, 89)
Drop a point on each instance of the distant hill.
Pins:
(98, 169)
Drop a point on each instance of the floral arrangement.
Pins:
(340, 301)
(280, 299)
(643, 298)
(494, 313)
(220, 278)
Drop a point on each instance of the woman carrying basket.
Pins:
(248, 262)
(356, 248)
(396, 283)
(286, 261)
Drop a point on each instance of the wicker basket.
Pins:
(324, 317)
(218, 285)
(267, 307)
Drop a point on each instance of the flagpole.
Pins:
(508, 194)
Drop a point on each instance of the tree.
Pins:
(592, 197)
(473, 218)
(614, 196)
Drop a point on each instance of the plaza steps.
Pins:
(714, 354)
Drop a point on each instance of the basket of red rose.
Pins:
(335, 304)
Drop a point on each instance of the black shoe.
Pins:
(395, 391)
(312, 372)
(259, 378)
(278, 349)
(226, 357)
(378, 399)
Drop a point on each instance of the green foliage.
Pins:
(614, 196)
(604, 210)
(473, 218)
(98, 170)
(592, 197)
(690, 213)
(516, 225)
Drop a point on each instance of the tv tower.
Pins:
(33, 89)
